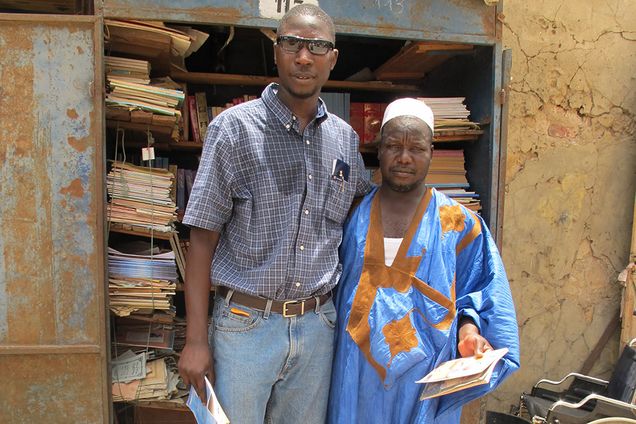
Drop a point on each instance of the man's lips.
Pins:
(402, 171)
(303, 76)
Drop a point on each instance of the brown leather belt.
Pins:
(289, 308)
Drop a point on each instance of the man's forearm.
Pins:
(197, 286)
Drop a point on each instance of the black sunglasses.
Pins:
(293, 44)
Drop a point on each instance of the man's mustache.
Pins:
(405, 170)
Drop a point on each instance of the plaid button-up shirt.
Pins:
(268, 189)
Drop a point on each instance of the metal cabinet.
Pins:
(53, 350)
(466, 21)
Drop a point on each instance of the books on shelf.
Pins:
(366, 119)
(140, 104)
(470, 199)
(131, 70)
(141, 281)
(447, 168)
(201, 114)
(140, 196)
(460, 374)
(451, 117)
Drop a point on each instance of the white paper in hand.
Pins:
(211, 412)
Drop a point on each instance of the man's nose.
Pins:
(404, 156)
(304, 56)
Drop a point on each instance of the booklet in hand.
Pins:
(460, 374)
(210, 412)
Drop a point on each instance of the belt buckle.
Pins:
(287, 303)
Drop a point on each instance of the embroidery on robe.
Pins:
(400, 336)
(399, 276)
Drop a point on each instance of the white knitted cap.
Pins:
(409, 107)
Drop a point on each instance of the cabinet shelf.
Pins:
(255, 80)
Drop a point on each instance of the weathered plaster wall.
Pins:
(570, 179)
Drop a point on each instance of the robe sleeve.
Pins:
(483, 294)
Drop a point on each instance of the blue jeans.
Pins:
(272, 369)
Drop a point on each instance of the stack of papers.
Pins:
(133, 95)
(460, 374)
(470, 199)
(451, 115)
(146, 335)
(447, 169)
(141, 196)
(210, 412)
(140, 282)
(130, 70)
(151, 267)
(159, 382)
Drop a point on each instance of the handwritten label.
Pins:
(395, 6)
(275, 9)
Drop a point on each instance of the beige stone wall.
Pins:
(571, 173)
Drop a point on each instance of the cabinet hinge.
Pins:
(502, 96)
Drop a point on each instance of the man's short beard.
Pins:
(404, 188)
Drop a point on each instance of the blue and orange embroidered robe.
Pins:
(395, 324)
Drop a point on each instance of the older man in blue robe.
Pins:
(422, 283)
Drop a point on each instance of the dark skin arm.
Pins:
(196, 361)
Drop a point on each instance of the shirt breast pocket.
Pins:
(338, 200)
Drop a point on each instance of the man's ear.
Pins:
(334, 58)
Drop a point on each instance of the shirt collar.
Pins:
(283, 113)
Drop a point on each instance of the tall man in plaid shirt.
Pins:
(277, 178)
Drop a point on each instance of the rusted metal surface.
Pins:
(52, 302)
(448, 20)
(51, 389)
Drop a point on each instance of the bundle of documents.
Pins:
(131, 70)
(158, 381)
(460, 374)
(133, 267)
(141, 196)
(451, 115)
(209, 413)
(133, 95)
(141, 282)
(148, 38)
(129, 295)
(145, 334)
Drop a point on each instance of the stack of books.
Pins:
(451, 118)
(131, 70)
(470, 199)
(201, 114)
(139, 105)
(447, 169)
(132, 95)
(141, 197)
(447, 174)
(141, 283)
